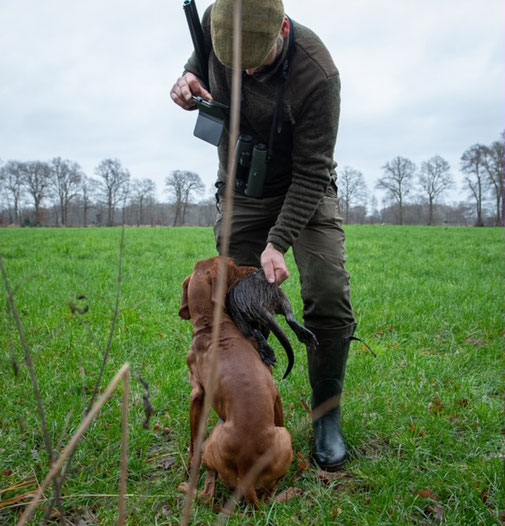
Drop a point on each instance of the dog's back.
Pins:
(251, 448)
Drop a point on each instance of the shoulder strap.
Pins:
(277, 118)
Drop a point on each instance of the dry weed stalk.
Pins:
(124, 449)
(29, 361)
(35, 382)
(222, 275)
(122, 375)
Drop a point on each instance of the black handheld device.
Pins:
(211, 115)
(210, 122)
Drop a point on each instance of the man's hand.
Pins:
(185, 88)
(274, 265)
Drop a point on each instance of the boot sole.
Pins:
(333, 467)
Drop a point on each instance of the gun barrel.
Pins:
(195, 28)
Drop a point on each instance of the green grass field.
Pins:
(424, 420)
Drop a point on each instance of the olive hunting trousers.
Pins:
(319, 253)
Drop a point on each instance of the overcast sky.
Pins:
(90, 79)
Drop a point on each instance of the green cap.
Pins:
(261, 25)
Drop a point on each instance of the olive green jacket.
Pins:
(301, 164)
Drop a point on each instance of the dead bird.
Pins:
(252, 303)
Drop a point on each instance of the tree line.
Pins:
(415, 195)
(59, 193)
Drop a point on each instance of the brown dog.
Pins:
(251, 449)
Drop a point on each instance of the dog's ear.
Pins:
(220, 265)
(184, 310)
(214, 278)
(233, 274)
(213, 286)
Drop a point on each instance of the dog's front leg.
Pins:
(250, 495)
(209, 491)
(195, 414)
(278, 412)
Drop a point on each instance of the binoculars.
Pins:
(251, 163)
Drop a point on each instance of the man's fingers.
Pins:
(185, 89)
(197, 89)
(275, 274)
(268, 268)
(274, 265)
(180, 101)
(281, 275)
(205, 94)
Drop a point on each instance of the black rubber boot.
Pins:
(326, 374)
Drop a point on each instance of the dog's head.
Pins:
(200, 290)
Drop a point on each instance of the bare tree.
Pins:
(142, 192)
(473, 166)
(36, 176)
(182, 186)
(352, 189)
(11, 179)
(114, 185)
(207, 211)
(89, 190)
(494, 164)
(434, 178)
(397, 181)
(66, 179)
(374, 215)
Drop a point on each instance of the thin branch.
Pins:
(124, 450)
(71, 446)
(221, 283)
(35, 382)
(29, 361)
(88, 496)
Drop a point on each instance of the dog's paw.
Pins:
(207, 497)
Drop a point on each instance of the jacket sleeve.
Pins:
(314, 138)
